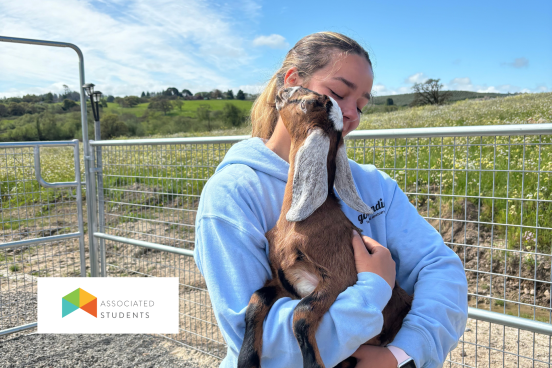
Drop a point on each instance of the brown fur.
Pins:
(321, 245)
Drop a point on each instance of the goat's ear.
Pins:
(345, 185)
(310, 179)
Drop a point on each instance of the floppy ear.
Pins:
(310, 179)
(345, 185)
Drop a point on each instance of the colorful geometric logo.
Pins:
(79, 299)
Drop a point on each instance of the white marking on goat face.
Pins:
(292, 91)
(303, 281)
(336, 116)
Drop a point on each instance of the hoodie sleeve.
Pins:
(434, 272)
(232, 257)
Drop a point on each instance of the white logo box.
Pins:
(124, 305)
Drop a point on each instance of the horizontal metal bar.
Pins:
(460, 131)
(18, 328)
(145, 244)
(39, 144)
(46, 239)
(166, 141)
(510, 321)
(42, 43)
(463, 131)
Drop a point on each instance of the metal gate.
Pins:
(42, 233)
(485, 189)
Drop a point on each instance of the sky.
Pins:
(131, 46)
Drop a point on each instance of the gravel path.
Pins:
(121, 351)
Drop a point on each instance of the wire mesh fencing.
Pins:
(151, 194)
(41, 232)
(490, 197)
(486, 191)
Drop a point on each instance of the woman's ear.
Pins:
(292, 78)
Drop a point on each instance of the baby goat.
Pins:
(311, 253)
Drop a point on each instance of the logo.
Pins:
(380, 205)
(79, 299)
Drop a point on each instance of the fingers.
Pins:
(358, 244)
(372, 245)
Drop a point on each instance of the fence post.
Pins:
(101, 214)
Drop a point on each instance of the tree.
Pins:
(160, 104)
(68, 104)
(38, 131)
(143, 94)
(16, 109)
(240, 95)
(389, 102)
(3, 110)
(216, 93)
(179, 104)
(172, 92)
(186, 93)
(110, 98)
(66, 90)
(232, 115)
(429, 93)
(203, 113)
(229, 95)
(49, 97)
(111, 126)
(131, 101)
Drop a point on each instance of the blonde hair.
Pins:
(310, 54)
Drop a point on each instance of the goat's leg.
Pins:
(306, 318)
(257, 310)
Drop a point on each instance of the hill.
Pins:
(518, 109)
(189, 107)
(406, 99)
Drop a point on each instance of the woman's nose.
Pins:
(350, 113)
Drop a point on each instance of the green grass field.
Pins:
(188, 109)
(457, 168)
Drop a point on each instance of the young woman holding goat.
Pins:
(243, 201)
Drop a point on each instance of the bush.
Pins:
(232, 115)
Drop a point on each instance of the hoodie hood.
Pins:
(255, 154)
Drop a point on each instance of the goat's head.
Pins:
(315, 124)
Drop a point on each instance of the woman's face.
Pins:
(348, 81)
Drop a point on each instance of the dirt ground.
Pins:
(499, 279)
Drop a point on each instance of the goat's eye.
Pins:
(303, 105)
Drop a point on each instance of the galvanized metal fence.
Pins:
(487, 190)
(42, 227)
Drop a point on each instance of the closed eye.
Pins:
(336, 95)
(359, 111)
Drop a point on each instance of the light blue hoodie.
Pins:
(242, 201)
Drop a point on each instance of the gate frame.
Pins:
(52, 238)
(88, 154)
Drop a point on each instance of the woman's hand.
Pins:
(375, 357)
(378, 260)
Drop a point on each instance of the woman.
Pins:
(243, 199)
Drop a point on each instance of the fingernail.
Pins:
(355, 233)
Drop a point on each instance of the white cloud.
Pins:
(465, 84)
(274, 41)
(416, 78)
(518, 63)
(251, 88)
(382, 90)
(128, 46)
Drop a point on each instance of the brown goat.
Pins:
(311, 253)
